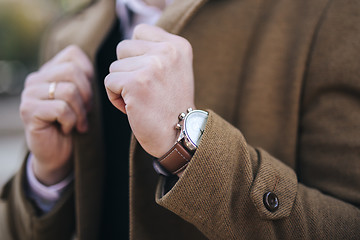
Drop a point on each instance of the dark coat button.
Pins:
(271, 201)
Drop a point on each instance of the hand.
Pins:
(152, 82)
(49, 122)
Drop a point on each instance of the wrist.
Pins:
(171, 133)
(173, 136)
(48, 174)
(192, 127)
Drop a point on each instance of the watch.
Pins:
(192, 129)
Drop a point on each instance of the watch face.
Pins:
(195, 125)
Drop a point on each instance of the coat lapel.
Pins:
(178, 14)
(88, 149)
(86, 29)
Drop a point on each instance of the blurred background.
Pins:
(22, 23)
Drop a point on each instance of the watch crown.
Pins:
(178, 126)
(181, 116)
(189, 110)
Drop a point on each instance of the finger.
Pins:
(114, 85)
(66, 72)
(73, 54)
(132, 48)
(151, 33)
(52, 111)
(116, 81)
(116, 100)
(68, 92)
(129, 64)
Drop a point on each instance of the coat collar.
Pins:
(89, 27)
(176, 16)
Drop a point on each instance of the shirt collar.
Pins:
(141, 13)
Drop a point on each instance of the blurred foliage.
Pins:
(72, 5)
(22, 23)
(21, 26)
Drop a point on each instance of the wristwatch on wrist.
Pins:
(179, 156)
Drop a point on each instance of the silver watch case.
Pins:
(184, 136)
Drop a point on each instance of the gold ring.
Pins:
(52, 87)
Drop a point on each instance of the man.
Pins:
(281, 74)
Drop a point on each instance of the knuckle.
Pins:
(139, 29)
(107, 80)
(155, 63)
(23, 109)
(71, 71)
(26, 109)
(29, 92)
(70, 91)
(63, 109)
(30, 79)
(122, 45)
(143, 78)
(73, 50)
(168, 48)
(31, 128)
(185, 46)
(113, 66)
(70, 68)
(124, 42)
(24, 94)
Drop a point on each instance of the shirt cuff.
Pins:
(45, 197)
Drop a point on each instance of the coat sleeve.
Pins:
(223, 190)
(20, 219)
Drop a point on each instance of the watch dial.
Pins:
(195, 126)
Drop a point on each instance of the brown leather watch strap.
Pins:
(176, 159)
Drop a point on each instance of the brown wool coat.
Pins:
(281, 80)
